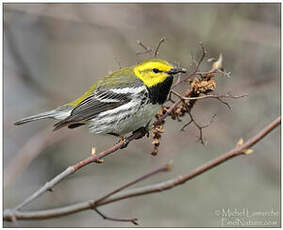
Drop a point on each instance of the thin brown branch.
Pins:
(150, 50)
(165, 168)
(189, 107)
(204, 52)
(237, 151)
(199, 127)
(224, 103)
(132, 220)
(146, 49)
(165, 185)
(156, 51)
(215, 96)
(172, 107)
(71, 169)
(30, 150)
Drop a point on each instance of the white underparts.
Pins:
(125, 118)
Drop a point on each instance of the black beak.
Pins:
(176, 70)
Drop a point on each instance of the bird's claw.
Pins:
(124, 142)
(143, 131)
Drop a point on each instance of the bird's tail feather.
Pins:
(48, 114)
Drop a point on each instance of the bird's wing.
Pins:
(104, 98)
(93, 105)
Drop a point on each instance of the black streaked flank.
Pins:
(73, 126)
(158, 93)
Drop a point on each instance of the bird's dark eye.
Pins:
(156, 70)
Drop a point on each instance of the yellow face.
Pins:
(152, 71)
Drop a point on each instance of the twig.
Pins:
(150, 50)
(214, 96)
(204, 52)
(172, 107)
(96, 203)
(165, 185)
(147, 49)
(158, 46)
(217, 97)
(199, 127)
(132, 220)
(71, 169)
(224, 103)
(30, 150)
(189, 107)
(165, 168)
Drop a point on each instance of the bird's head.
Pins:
(155, 71)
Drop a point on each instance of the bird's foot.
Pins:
(143, 131)
(124, 142)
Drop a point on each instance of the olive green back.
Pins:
(120, 79)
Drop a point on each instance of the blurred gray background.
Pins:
(53, 52)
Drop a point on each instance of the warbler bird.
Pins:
(118, 103)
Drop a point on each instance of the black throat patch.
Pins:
(158, 93)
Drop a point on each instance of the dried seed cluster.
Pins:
(203, 86)
(157, 130)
